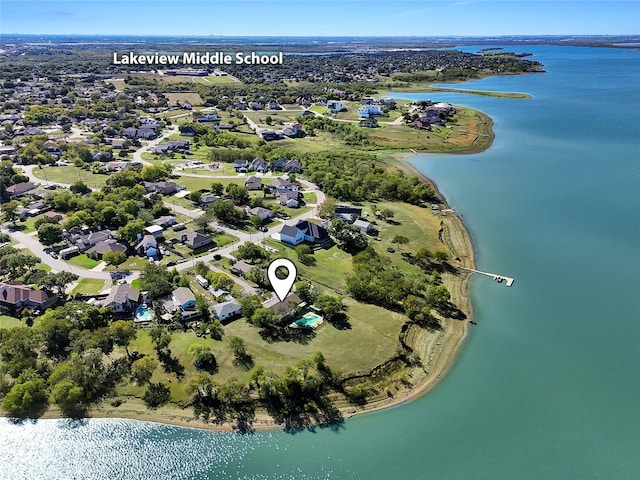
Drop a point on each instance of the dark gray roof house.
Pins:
(195, 240)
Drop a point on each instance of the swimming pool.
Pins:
(143, 314)
(309, 320)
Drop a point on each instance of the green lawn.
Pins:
(70, 174)
(371, 338)
(217, 79)
(9, 322)
(90, 286)
(132, 263)
(83, 261)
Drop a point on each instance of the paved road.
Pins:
(137, 155)
(58, 265)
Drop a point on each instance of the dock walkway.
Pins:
(498, 278)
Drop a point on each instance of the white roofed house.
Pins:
(226, 310)
(122, 298)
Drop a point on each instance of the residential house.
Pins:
(365, 227)
(208, 199)
(268, 135)
(313, 232)
(292, 166)
(102, 157)
(184, 301)
(263, 213)
(369, 122)
(165, 222)
(367, 111)
(148, 246)
(155, 230)
(241, 268)
(188, 131)
(208, 117)
(287, 308)
(253, 183)
(122, 298)
(259, 165)
(293, 130)
(226, 310)
(281, 184)
(109, 245)
(255, 105)
(273, 105)
(334, 106)
(165, 188)
(241, 166)
(88, 240)
(195, 240)
(291, 235)
(16, 296)
(19, 189)
(289, 199)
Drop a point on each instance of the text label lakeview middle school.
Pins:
(197, 58)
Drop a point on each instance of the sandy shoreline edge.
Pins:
(442, 353)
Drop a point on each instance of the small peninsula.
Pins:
(141, 212)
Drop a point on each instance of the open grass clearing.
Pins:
(70, 174)
(83, 261)
(10, 322)
(179, 98)
(90, 286)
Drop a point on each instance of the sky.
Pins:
(321, 17)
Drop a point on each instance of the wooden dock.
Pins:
(498, 278)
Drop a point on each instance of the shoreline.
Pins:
(441, 351)
(442, 355)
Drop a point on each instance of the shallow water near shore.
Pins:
(546, 385)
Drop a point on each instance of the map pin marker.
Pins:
(282, 287)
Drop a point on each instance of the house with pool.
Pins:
(122, 298)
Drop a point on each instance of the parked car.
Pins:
(262, 228)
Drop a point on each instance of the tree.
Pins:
(239, 349)
(441, 256)
(80, 188)
(131, 230)
(28, 396)
(156, 280)
(251, 252)
(225, 211)
(123, 332)
(329, 305)
(114, 258)
(217, 188)
(386, 214)
(256, 220)
(327, 209)
(306, 291)
(202, 356)
(305, 255)
(59, 281)
(239, 194)
(264, 318)
(17, 264)
(400, 240)
(160, 337)
(157, 394)
(195, 196)
(202, 307)
(143, 368)
(69, 397)
(10, 211)
(250, 304)
(348, 237)
(50, 233)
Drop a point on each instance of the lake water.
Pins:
(548, 384)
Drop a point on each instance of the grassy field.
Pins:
(469, 131)
(220, 79)
(90, 286)
(369, 326)
(181, 97)
(83, 261)
(70, 174)
(9, 322)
